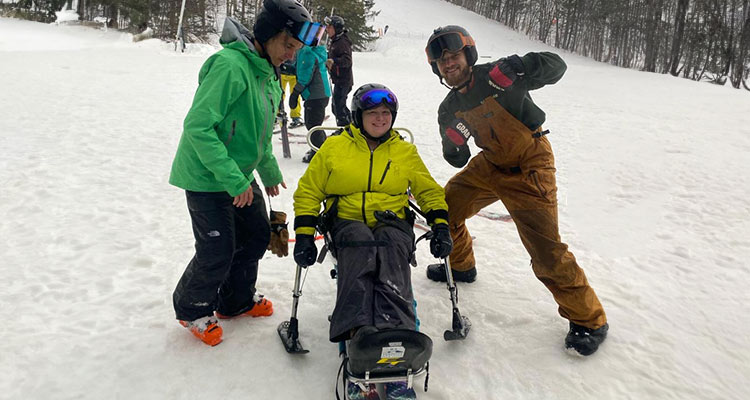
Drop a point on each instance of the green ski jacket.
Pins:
(227, 132)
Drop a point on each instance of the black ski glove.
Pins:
(294, 99)
(305, 250)
(294, 96)
(441, 243)
(506, 71)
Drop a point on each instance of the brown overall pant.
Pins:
(519, 170)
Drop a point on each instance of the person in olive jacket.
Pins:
(226, 137)
(339, 63)
(491, 103)
(366, 202)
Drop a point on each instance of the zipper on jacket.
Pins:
(385, 172)
(265, 119)
(364, 194)
(231, 134)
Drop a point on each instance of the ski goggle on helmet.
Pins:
(376, 97)
(310, 33)
(452, 41)
(370, 96)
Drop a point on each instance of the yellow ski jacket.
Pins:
(366, 181)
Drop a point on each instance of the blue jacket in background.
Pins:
(312, 76)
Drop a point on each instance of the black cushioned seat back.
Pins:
(389, 352)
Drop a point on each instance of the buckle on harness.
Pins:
(537, 135)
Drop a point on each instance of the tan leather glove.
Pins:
(279, 243)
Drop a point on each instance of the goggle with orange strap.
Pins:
(448, 41)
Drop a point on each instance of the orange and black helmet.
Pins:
(450, 38)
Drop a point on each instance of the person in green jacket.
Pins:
(491, 103)
(226, 138)
(366, 208)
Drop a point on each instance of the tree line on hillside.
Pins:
(695, 39)
(202, 18)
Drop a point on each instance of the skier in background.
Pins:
(339, 63)
(226, 137)
(288, 71)
(312, 85)
(491, 103)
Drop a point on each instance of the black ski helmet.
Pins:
(279, 15)
(370, 96)
(336, 22)
(452, 38)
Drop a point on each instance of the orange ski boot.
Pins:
(262, 308)
(206, 329)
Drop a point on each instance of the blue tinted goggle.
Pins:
(376, 97)
(311, 32)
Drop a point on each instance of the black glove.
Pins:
(305, 251)
(441, 243)
(506, 71)
(294, 99)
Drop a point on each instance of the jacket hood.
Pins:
(236, 37)
(234, 31)
(312, 53)
(320, 52)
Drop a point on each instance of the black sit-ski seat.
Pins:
(389, 355)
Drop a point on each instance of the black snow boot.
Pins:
(436, 272)
(308, 156)
(585, 340)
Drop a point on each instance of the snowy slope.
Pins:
(653, 202)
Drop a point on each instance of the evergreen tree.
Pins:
(355, 13)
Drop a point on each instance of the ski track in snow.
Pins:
(653, 203)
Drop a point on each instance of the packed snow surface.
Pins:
(653, 201)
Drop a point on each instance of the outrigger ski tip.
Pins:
(291, 344)
(460, 324)
(289, 330)
(461, 327)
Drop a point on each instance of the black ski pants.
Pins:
(315, 113)
(229, 241)
(340, 110)
(373, 278)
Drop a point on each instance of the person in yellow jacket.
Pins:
(363, 175)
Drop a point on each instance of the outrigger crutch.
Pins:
(289, 330)
(460, 324)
